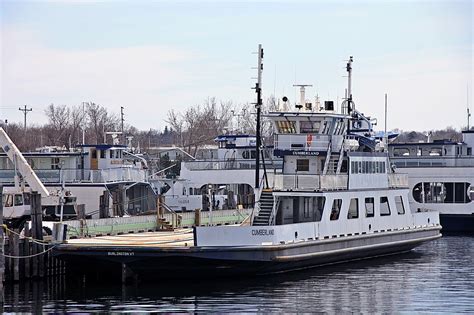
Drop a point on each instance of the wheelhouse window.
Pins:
(310, 126)
(18, 200)
(302, 165)
(353, 212)
(384, 206)
(369, 207)
(336, 209)
(286, 126)
(7, 200)
(399, 204)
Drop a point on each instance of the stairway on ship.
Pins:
(266, 208)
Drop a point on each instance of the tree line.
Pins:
(89, 122)
(189, 129)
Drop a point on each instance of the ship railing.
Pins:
(396, 180)
(432, 161)
(311, 182)
(224, 165)
(81, 175)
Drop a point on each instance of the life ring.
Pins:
(309, 139)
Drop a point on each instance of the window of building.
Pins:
(399, 204)
(353, 212)
(369, 207)
(336, 209)
(384, 206)
(302, 165)
(286, 126)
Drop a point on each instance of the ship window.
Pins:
(307, 207)
(325, 127)
(111, 154)
(399, 204)
(93, 154)
(384, 206)
(401, 152)
(369, 207)
(8, 200)
(18, 200)
(318, 206)
(302, 165)
(436, 152)
(253, 154)
(383, 168)
(469, 151)
(102, 154)
(55, 163)
(354, 169)
(184, 191)
(286, 126)
(336, 209)
(310, 126)
(246, 154)
(353, 212)
(26, 199)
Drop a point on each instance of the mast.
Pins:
(467, 105)
(258, 106)
(349, 85)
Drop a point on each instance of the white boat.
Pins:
(86, 173)
(223, 178)
(440, 177)
(336, 200)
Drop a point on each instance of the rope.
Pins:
(29, 256)
(40, 242)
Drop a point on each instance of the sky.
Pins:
(154, 56)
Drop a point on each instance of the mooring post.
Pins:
(197, 217)
(2, 258)
(37, 233)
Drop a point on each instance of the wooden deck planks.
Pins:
(176, 238)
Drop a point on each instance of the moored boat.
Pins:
(337, 200)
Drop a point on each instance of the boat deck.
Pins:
(176, 238)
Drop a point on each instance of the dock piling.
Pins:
(2, 258)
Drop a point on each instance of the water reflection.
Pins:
(437, 277)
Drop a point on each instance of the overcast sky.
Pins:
(151, 56)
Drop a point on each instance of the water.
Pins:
(437, 277)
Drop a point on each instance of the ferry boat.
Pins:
(222, 178)
(85, 172)
(440, 177)
(337, 200)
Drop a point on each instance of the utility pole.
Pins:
(25, 111)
